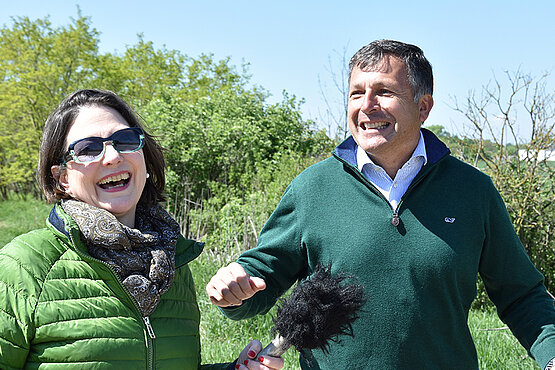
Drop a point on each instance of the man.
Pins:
(413, 224)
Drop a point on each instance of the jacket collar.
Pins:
(57, 222)
(435, 149)
(186, 250)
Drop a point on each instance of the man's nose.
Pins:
(369, 102)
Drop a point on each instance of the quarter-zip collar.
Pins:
(435, 149)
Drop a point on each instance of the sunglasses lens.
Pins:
(92, 148)
(88, 150)
(128, 140)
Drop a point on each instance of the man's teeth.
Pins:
(121, 176)
(375, 125)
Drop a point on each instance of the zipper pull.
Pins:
(395, 220)
(149, 329)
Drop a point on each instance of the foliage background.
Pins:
(222, 339)
(230, 153)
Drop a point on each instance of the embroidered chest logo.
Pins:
(449, 220)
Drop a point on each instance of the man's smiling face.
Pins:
(382, 115)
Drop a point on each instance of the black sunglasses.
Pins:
(91, 149)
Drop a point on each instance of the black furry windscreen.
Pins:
(319, 310)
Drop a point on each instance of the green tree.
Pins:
(141, 73)
(230, 153)
(222, 142)
(204, 76)
(517, 167)
(39, 65)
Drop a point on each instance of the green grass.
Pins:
(496, 346)
(20, 215)
(223, 339)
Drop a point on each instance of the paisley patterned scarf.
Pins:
(143, 258)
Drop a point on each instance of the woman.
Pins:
(106, 284)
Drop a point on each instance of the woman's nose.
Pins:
(111, 155)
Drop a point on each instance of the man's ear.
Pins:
(425, 106)
(60, 176)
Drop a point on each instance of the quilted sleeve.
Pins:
(16, 308)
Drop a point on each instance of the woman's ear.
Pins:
(60, 175)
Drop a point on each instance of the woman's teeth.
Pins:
(113, 181)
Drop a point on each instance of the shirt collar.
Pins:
(420, 151)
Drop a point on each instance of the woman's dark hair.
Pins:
(56, 128)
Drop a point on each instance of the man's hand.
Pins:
(232, 285)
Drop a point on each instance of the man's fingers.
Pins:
(257, 284)
(232, 285)
(239, 282)
(220, 294)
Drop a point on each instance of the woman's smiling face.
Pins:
(116, 181)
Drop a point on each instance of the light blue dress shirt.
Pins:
(393, 189)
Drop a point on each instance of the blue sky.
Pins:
(289, 44)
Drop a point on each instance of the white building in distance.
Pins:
(548, 155)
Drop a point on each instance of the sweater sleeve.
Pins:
(16, 309)
(515, 286)
(279, 258)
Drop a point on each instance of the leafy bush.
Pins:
(230, 157)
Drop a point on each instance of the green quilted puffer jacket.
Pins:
(62, 308)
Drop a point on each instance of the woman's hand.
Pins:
(248, 359)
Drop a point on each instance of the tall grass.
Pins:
(223, 339)
(19, 215)
(496, 346)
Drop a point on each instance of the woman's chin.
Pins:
(120, 208)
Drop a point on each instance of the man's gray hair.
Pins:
(418, 68)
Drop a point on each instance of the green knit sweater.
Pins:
(419, 276)
(61, 308)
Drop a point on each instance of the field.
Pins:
(222, 339)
